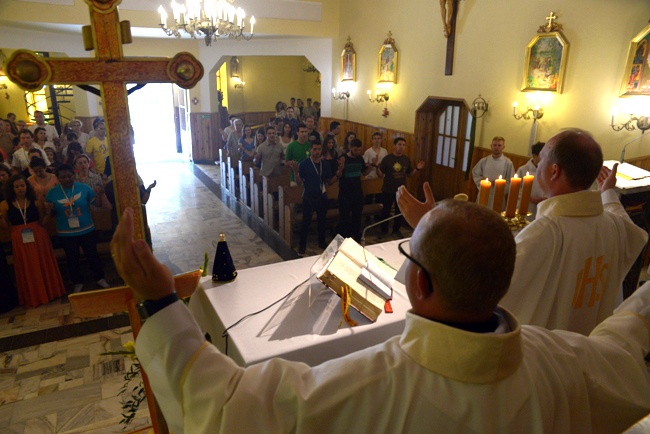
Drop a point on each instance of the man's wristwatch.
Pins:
(149, 307)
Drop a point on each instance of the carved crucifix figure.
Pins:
(112, 71)
(449, 12)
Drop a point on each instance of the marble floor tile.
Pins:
(5, 416)
(41, 425)
(43, 405)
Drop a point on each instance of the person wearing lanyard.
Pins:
(70, 202)
(314, 174)
(37, 272)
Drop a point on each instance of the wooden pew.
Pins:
(255, 179)
(287, 198)
(230, 172)
(223, 174)
(270, 185)
(244, 170)
(372, 187)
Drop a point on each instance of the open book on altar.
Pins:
(369, 279)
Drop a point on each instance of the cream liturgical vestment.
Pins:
(521, 379)
(571, 261)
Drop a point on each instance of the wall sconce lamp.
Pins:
(642, 123)
(536, 111)
(239, 84)
(379, 97)
(3, 86)
(479, 107)
(340, 95)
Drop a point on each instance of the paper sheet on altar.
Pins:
(629, 177)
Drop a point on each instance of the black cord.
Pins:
(225, 332)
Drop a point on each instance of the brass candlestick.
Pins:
(518, 221)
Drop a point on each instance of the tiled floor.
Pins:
(66, 385)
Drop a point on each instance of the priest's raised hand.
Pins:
(135, 262)
(412, 209)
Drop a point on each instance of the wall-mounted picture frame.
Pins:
(388, 61)
(636, 80)
(546, 57)
(234, 67)
(348, 62)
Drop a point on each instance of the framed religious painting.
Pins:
(388, 61)
(234, 67)
(636, 80)
(546, 56)
(348, 62)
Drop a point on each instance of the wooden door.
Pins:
(444, 130)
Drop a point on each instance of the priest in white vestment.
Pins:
(571, 261)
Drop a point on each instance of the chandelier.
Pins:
(211, 19)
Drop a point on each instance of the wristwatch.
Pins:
(148, 308)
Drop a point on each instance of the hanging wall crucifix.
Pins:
(449, 12)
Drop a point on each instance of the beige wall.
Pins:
(270, 79)
(489, 56)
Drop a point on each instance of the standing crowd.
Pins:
(44, 176)
(317, 161)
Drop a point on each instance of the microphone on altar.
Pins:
(363, 234)
(630, 142)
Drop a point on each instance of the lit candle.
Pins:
(499, 193)
(369, 94)
(613, 112)
(525, 194)
(252, 20)
(514, 107)
(333, 91)
(163, 16)
(513, 195)
(484, 193)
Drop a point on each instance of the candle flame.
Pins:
(516, 176)
(500, 177)
(527, 173)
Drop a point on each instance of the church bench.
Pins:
(255, 182)
(230, 172)
(244, 170)
(290, 217)
(270, 185)
(287, 197)
(223, 174)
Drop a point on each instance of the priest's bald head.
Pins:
(570, 162)
(466, 255)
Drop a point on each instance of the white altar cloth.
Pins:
(291, 329)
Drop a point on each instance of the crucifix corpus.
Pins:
(449, 11)
(111, 70)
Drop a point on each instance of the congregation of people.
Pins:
(47, 176)
(317, 161)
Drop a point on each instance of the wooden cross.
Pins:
(111, 70)
(449, 10)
